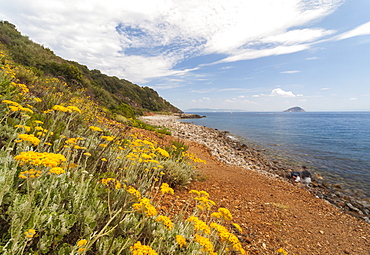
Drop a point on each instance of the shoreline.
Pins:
(228, 150)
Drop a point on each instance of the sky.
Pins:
(253, 55)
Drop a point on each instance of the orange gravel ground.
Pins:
(275, 214)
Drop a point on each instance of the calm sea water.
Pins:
(335, 145)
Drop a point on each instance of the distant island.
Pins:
(295, 109)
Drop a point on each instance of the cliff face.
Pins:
(295, 109)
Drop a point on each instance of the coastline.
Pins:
(226, 149)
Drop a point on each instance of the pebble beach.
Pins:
(226, 149)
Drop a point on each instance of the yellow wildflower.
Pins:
(145, 206)
(30, 233)
(165, 188)
(133, 191)
(40, 158)
(199, 225)
(32, 173)
(163, 152)
(10, 102)
(81, 243)
(108, 138)
(74, 109)
(206, 243)
(180, 240)
(139, 249)
(223, 213)
(56, 170)
(111, 181)
(227, 237)
(166, 221)
(26, 128)
(29, 138)
(282, 251)
(237, 226)
(96, 129)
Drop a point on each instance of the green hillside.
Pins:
(75, 181)
(118, 96)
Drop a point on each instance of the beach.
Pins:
(273, 212)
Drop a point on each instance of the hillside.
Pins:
(74, 181)
(118, 96)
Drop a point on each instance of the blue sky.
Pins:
(255, 55)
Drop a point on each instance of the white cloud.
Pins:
(226, 67)
(297, 36)
(363, 29)
(245, 54)
(281, 93)
(353, 99)
(145, 39)
(324, 88)
(289, 72)
(312, 58)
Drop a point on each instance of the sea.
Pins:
(333, 145)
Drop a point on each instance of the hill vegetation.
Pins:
(119, 96)
(75, 181)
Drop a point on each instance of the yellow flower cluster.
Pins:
(237, 226)
(15, 107)
(96, 129)
(30, 233)
(32, 173)
(144, 205)
(26, 128)
(108, 138)
(199, 225)
(203, 198)
(163, 152)
(193, 157)
(282, 251)
(133, 191)
(22, 87)
(181, 240)
(72, 141)
(37, 100)
(28, 138)
(56, 170)
(139, 249)
(165, 188)
(111, 182)
(222, 213)
(228, 237)
(166, 221)
(43, 131)
(81, 243)
(69, 109)
(40, 158)
(206, 243)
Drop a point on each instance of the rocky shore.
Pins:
(226, 149)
